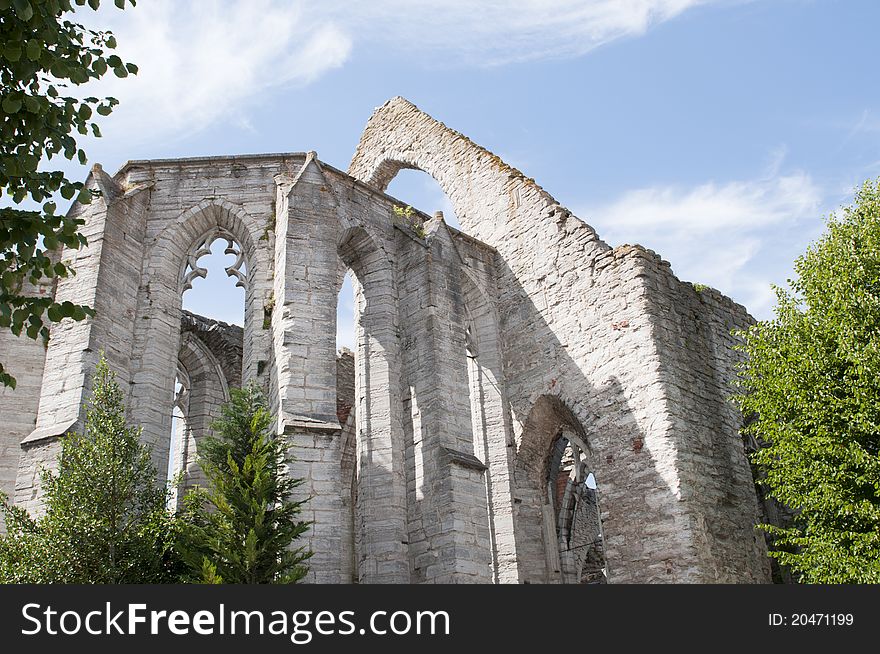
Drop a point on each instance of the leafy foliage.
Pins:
(408, 217)
(240, 529)
(105, 519)
(812, 380)
(42, 53)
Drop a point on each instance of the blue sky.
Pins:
(718, 133)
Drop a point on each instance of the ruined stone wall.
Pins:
(586, 324)
(225, 342)
(107, 279)
(24, 359)
(694, 330)
(426, 456)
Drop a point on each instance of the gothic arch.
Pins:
(359, 252)
(208, 390)
(173, 245)
(550, 425)
(155, 355)
(379, 447)
(485, 192)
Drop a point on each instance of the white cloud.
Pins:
(210, 61)
(739, 236)
(498, 31)
(710, 208)
(204, 61)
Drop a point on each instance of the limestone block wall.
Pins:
(444, 477)
(583, 323)
(24, 359)
(427, 457)
(693, 329)
(225, 342)
(107, 279)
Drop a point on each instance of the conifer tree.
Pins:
(241, 527)
(105, 518)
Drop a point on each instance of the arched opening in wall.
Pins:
(215, 279)
(558, 524)
(214, 291)
(345, 400)
(572, 491)
(421, 191)
(371, 457)
(179, 434)
(489, 425)
(345, 314)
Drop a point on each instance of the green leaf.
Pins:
(34, 50)
(32, 104)
(11, 104)
(59, 69)
(12, 51)
(23, 9)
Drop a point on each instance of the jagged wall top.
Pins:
(486, 193)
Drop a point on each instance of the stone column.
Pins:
(449, 530)
(304, 335)
(383, 555)
(304, 332)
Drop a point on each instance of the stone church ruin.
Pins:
(525, 404)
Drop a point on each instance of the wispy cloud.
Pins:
(712, 207)
(865, 124)
(492, 32)
(212, 59)
(775, 159)
(738, 236)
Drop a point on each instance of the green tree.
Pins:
(105, 518)
(812, 382)
(42, 54)
(240, 528)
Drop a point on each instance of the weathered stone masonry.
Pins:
(497, 371)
